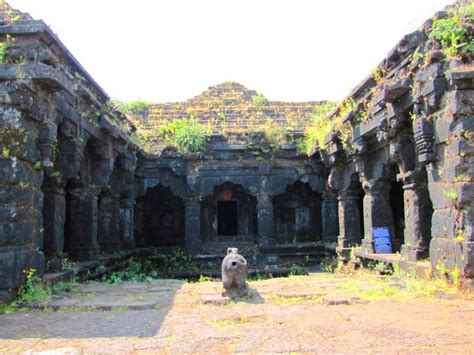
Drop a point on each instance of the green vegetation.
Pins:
(158, 266)
(139, 107)
(33, 290)
(6, 152)
(318, 131)
(330, 264)
(274, 134)
(9, 41)
(259, 99)
(378, 74)
(297, 269)
(3, 49)
(186, 134)
(451, 33)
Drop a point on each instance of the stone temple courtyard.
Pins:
(355, 218)
(320, 313)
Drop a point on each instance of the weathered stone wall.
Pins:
(66, 175)
(410, 122)
(252, 174)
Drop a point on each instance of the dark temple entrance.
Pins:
(297, 214)
(159, 218)
(229, 214)
(397, 207)
(227, 218)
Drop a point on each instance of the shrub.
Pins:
(452, 35)
(33, 289)
(186, 134)
(259, 99)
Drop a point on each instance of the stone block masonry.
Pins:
(403, 159)
(67, 158)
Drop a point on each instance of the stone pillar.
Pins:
(418, 211)
(54, 217)
(109, 224)
(265, 220)
(377, 211)
(126, 223)
(329, 213)
(83, 223)
(349, 220)
(192, 229)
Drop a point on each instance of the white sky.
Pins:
(172, 50)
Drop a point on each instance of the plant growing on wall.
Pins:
(451, 33)
(186, 134)
(259, 99)
(9, 42)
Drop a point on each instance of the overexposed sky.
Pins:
(172, 50)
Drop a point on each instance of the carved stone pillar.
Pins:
(418, 210)
(351, 233)
(329, 213)
(192, 231)
(83, 223)
(109, 223)
(46, 140)
(377, 211)
(126, 223)
(265, 220)
(54, 217)
(423, 132)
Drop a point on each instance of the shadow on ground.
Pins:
(96, 310)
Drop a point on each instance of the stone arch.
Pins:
(207, 186)
(298, 214)
(176, 184)
(229, 214)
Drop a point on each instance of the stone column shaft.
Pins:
(109, 223)
(83, 223)
(329, 213)
(349, 221)
(418, 210)
(54, 217)
(127, 235)
(192, 231)
(265, 220)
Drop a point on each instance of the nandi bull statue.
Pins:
(234, 271)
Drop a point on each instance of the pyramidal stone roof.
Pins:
(231, 107)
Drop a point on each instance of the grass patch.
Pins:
(235, 321)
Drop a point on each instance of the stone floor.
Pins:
(320, 313)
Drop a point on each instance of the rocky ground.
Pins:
(319, 313)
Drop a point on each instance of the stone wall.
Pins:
(254, 175)
(67, 159)
(411, 123)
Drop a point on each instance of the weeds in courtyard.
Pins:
(33, 290)
(157, 266)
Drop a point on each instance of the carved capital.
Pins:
(423, 132)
